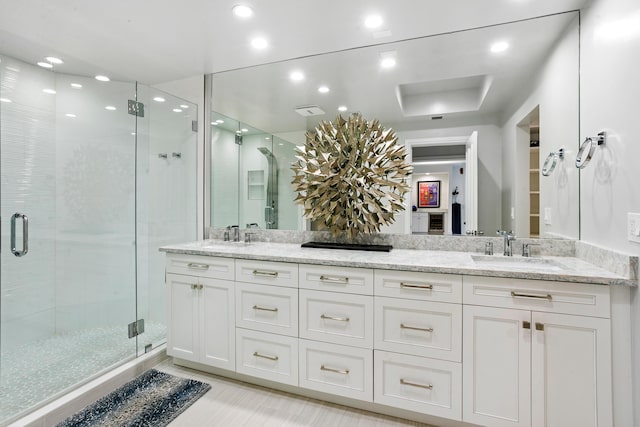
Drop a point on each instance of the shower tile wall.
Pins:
(28, 172)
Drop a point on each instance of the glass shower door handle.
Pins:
(25, 234)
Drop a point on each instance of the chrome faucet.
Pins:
(526, 248)
(235, 230)
(508, 238)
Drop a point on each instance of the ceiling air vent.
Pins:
(436, 118)
(310, 110)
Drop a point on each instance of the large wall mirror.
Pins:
(482, 112)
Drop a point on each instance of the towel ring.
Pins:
(589, 147)
(551, 162)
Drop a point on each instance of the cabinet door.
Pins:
(217, 317)
(496, 366)
(571, 371)
(182, 317)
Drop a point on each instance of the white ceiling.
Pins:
(163, 40)
(454, 75)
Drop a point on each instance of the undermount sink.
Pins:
(496, 261)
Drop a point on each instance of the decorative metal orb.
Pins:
(351, 176)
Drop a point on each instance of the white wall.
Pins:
(555, 91)
(610, 90)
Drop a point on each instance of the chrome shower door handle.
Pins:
(25, 234)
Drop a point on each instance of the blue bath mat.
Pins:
(153, 399)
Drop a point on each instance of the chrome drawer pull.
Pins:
(265, 356)
(415, 286)
(415, 328)
(258, 307)
(343, 280)
(339, 319)
(412, 384)
(518, 295)
(198, 266)
(337, 371)
(265, 273)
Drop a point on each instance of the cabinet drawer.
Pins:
(415, 285)
(202, 266)
(421, 328)
(337, 279)
(269, 356)
(537, 295)
(337, 369)
(267, 273)
(418, 384)
(344, 319)
(267, 308)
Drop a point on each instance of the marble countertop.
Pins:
(564, 269)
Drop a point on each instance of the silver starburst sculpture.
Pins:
(351, 176)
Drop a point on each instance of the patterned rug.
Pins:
(153, 399)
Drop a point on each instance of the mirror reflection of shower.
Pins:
(271, 208)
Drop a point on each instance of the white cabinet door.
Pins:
(571, 371)
(182, 317)
(217, 317)
(496, 366)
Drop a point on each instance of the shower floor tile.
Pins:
(36, 372)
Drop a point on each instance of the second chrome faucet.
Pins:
(509, 238)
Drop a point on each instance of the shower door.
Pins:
(67, 248)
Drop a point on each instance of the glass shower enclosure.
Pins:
(95, 176)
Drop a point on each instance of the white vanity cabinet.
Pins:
(200, 310)
(418, 342)
(336, 322)
(267, 320)
(528, 363)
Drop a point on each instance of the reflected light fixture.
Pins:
(259, 43)
(54, 60)
(296, 76)
(102, 78)
(184, 106)
(70, 115)
(49, 91)
(219, 121)
(45, 64)
(373, 21)
(242, 11)
(76, 85)
(7, 100)
(323, 89)
(110, 108)
(499, 47)
(177, 110)
(214, 124)
(342, 108)
(158, 99)
(244, 130)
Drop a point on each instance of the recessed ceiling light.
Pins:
(499, 47)
(238, 132)
(45, 64)
(184, 106)
(158, 99)
(259, 43)
(373, 21)
(342, 108)
(214, 123)
(323, 89)
(5, 100)
(133, 134)
(280, 144)
(76, 85)
(242, 11)
(49, 91)
(244, 130)
(177, 110)
(110, 108)
(54, 60)
(388, 62)
(296, 76)
(219, 121)
(267, 138)
(70, 115)
(102, 78)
